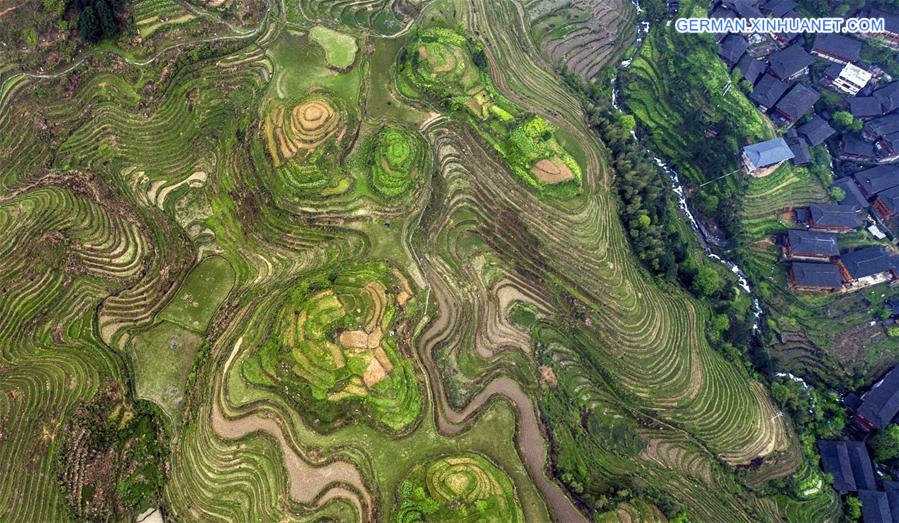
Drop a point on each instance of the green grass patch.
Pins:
(464, 487)
(340, 49)
(199, 297)
(162, 358)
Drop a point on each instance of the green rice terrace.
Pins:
(353, 260)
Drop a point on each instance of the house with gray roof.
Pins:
(880, 404)
(763, 158)
(836, 48)
(790, 63)
(810, 245)
(876, 507)
(768, 91)
(849, 463)
(816, 130)
(872, 181)
(867, 266)
(833, 218)
(856, 149)
(865, 107)
(777, 8)
(793, 106)
(886, 203)
(732, 48)
(889, 97)
(852, 194)
(750, 68)
(815, 276)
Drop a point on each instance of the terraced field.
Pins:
(583, 35)
(396, 291)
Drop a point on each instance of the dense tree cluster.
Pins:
(99, 19)
(646, 205)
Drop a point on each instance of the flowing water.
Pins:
(705, 238)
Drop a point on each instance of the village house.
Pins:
(849, 463)
(884, 132)
(810, 245)
(795, 104)
(833, 218)
(852, 194)
(732, 48)
(778, 8)
(879, 506)
(891, 27)
(836, 48)
(816, 130)
(886, 204)
(750, 68)
(767, 92)
(763, 158)
(809, 276)
(790, 63)
(880, 178)
(851, 79)
(865, 107)
(888, 96)
(801, 154)
(867, 266)
(744, 8)
(880, 404)
(855, 149)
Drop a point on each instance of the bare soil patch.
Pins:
(548, 171)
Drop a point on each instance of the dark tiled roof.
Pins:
(833, 71)
(811, 242)
(825, 275)
(865, 106)
(723, 12)
(875, 507)
(892, 140)
(768, 91)
(745, 8)
(883, 126)
(865, 262)
(838, 45)
(816, 130)
(881, 403)
(789, 61)
(801, 154)
(891, 21)
(778, 8)
(750, 68)
(892, 489)
(835, 215)
(853, 194)
(798, 101)
(890, 198)
(767, 153)
(849, 464)
(732, 48)
(872, 181)
(852, 145)
(888, 96)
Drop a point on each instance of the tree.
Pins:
(89, 25)
(853, 508)
(837, 194)
(844, 121)
(707, 281)
(107, 20)
(885, 444)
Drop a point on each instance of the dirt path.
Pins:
(529, 436)
(306, 481)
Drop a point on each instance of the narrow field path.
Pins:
(308, 484)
